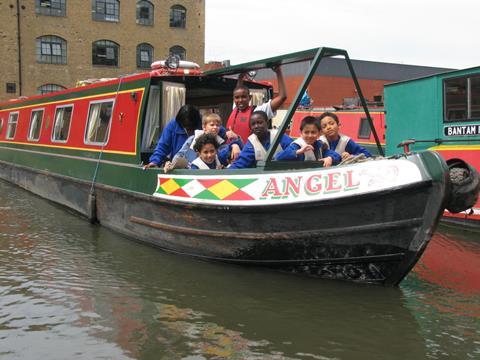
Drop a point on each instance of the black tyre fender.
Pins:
(465, 186)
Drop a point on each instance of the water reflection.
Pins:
(68, 289)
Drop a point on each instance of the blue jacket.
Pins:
(290, 153)
(352, 148)
(171, 141)
(246, 159)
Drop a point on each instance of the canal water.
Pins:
(69, 290)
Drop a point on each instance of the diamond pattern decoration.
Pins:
(207, 189)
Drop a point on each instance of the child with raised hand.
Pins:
(341, 144)
(206, 147)
(258, 142)
(308, 147)
(211, 124)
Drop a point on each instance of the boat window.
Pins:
(50, 7)
(173, 98)
(61, 126)
(106, 10)
(98, 125)
(12, 125)
(151, 128)
(475, 97)
(364, 130)
(35, 125)
(178, 16)
(105, 52)
(144, 56)
(144, 13)
(462, 98)
(51, 50)
(179, 51)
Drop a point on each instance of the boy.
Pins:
(238, 121)
(211, 124)
(342, 144)
(258, 143)
(308, 147)
(206, 147)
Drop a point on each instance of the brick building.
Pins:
(48, 45)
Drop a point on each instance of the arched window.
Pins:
(144, 55)
(144, 13)
(50, 7)
(106, 10)
(178, 50)
(178, 16)
(48, 88)
(105, 52)
(51, 50)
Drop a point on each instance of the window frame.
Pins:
(178, 46)
(467, 100)
(138, 55)
(107, 134)
(30, 124)
(9, 122)
(50, 58)
(55, 121)
(49, 10)
(151, 18)
(105, 16)
(39, 92)
(172, 21)
(117, 53)
(361, 125)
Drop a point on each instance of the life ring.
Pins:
(183, 64)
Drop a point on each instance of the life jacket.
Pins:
(198, 133)
(260, 151)
(310, 155)
(203, 166)
(238, 121)
(342, 143)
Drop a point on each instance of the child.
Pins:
(211, 124)
(206, 147)
(342, 144)
(238, 121)
(308, 147)
(258, 143)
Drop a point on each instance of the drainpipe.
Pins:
(19, 50)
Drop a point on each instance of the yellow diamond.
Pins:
(170, 186)
(223, 189)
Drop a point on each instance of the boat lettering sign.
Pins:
(288, 187)
(461, 130)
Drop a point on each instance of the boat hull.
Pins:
(374, 237)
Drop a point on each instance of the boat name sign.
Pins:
(287, 187)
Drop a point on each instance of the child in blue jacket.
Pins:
(206, 147)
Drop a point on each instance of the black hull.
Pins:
(372, 238)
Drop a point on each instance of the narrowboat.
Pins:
(83, 148)
(442, 113)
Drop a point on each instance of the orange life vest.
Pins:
(239, 120)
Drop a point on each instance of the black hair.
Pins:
(242, 87)
(329, 114)
(263, 114)
(189, 117)
(310, 120)
(203, 140)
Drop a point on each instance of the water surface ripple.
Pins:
(70, 290)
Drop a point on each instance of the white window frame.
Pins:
(30, 125)
(9, 122)
(55, 120)
(85, 141)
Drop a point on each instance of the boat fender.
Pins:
(464, 186)
(92, 208)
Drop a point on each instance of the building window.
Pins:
(35, 125)
(461, 98)
(179, 51)
(50, 7)
(11, 88)
(51, 50)
(99, 117)
(61, 126)
(12, 125)
(144, 13)
(106, 10)
(178, 16)
(105, 52)
(144, 55)
(49, 88)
